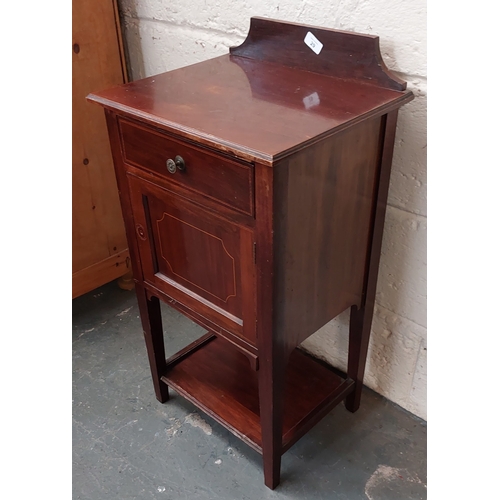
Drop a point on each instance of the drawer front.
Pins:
(206, 174)
(198, 259)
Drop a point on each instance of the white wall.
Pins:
(161, 35)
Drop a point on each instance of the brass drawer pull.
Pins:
(178, 163)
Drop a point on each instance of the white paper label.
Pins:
(313, 43)
(311, 100)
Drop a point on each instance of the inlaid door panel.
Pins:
(196, 257)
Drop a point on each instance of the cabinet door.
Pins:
(197, 258)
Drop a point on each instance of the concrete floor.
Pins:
(126, 445)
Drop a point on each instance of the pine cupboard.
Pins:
(100, 251)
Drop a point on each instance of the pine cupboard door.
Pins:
(196, 257)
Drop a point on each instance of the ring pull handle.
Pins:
(177, 164)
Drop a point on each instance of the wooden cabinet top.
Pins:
(270, 96)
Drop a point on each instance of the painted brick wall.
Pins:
(161, 35)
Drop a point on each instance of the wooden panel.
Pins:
(181, 239)
(104, 271)
(98, 230)
(212, 176)
(193, 255)
(237, 341)
(323, 206)
(220, 381)
(345, 54)
(214, 103)
(361, 318)
(225, 211)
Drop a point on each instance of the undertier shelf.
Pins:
(219, 380)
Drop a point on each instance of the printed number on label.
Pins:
(313, 43)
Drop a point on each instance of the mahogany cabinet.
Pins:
(253, 187)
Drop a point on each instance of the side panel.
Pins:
(324, 199)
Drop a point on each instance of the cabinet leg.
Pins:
(359, 337)
(153, 334)
(271, 393)
(361, 319)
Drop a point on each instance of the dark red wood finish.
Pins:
(323, 206)
(196, 257)
(274, 227)
(208, 175)
(361, 316)
(213, 103)
(271, 342)
(344, 54)
(221, 381)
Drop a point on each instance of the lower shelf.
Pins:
(218, 379)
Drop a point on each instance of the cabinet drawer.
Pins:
(207, 174)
